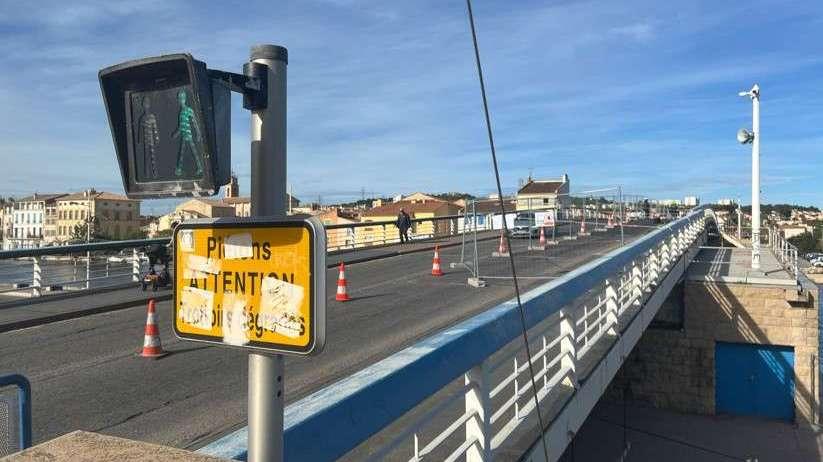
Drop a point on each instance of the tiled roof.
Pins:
(540, 187)
(487, 206)
(410, 207)
(40, 197)
(247, 199)
(96, 195)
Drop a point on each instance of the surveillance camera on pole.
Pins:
(753, 137)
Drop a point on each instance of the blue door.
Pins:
(756, 380)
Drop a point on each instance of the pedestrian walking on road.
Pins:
(403, 224)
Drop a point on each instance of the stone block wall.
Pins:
(674, 368)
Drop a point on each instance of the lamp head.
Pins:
(744, 136)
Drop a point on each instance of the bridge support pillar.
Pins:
(478, 427)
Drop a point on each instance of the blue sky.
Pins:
(383, 95)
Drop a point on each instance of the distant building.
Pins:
(242, 205)
(233, 188)
(691, 201)
(28, 222)
(204, 208)
(544, 194)
(6, 218)
(339, 237)
(421, 209)
(112, 215)
(488, 214)
(210, 208)
(668, 202)
(419, 197)
(726, 202)
(794, 231)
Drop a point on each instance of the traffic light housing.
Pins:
(171, 126)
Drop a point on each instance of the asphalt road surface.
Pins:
(86, 374)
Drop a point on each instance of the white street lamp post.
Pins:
(753, 137)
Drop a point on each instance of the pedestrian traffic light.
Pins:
(171, 126)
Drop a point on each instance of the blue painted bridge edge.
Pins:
(330, 422)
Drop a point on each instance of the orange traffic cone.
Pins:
(342, 296)
(502, 248)
(151, 341)
(436, 271)
(542, 237)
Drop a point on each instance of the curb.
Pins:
(22, 324)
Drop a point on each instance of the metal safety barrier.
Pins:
(369, 234)
(15, 417)
(466, 391)
(785, 252)
(43, 271)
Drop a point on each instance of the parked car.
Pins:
(813, 256)
(524, 225)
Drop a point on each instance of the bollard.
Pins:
(135, 266)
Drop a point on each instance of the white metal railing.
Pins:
(45, 271)
(478, 387)
(785, 252)
(574, 332)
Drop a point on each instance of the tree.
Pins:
(78, 233)
(454, 196)
(136, 234)
(805, 243)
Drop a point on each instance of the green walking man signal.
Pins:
(170, 122)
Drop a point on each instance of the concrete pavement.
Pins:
(85, 373)
(656, 434)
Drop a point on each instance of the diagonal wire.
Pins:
(506, 231)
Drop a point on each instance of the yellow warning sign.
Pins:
(251, 283)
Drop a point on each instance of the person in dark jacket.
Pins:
(403, 224)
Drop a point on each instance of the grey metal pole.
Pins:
(756, 177)
(739, 222)
(88, 237)
(476, 255)
(620, 198)
(268, 198)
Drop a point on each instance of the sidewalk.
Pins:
(36, 311)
